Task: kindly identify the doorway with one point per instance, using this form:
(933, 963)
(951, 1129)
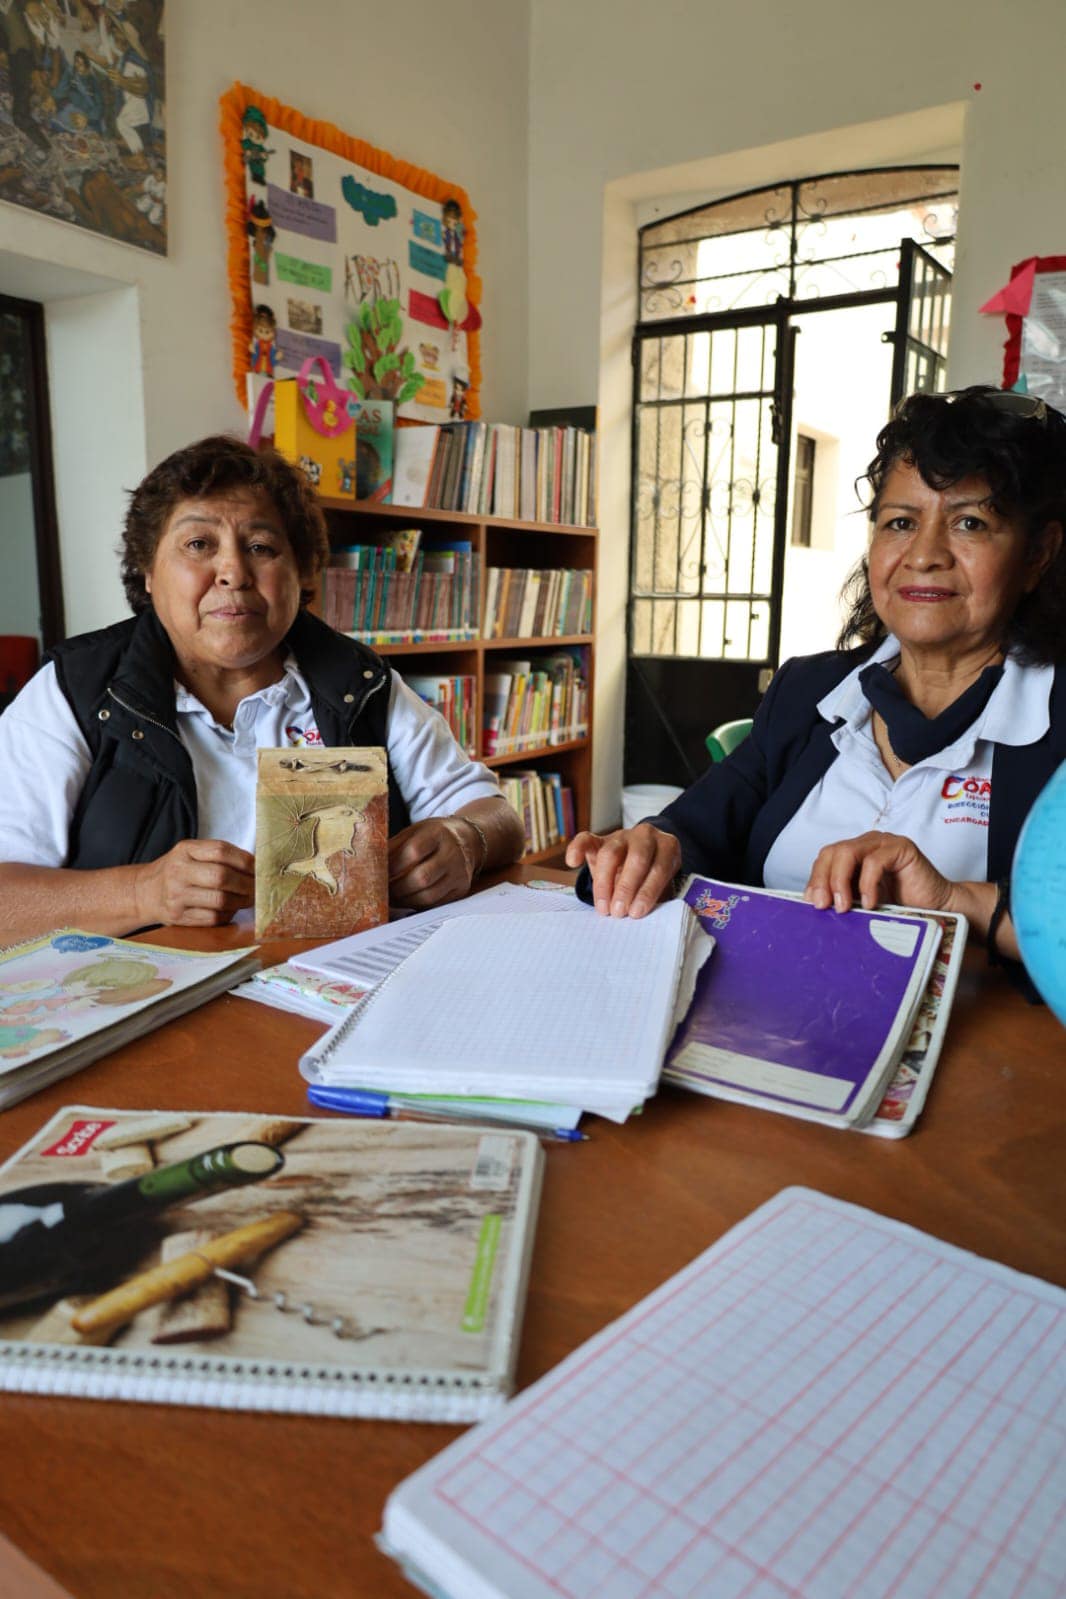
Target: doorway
(777, 329)
(31, 595)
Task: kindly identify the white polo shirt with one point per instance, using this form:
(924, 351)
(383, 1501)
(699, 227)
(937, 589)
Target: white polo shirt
(44, 761)
(941, 803)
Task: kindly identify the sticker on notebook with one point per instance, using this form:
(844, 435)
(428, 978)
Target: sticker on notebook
(899, 938)
(495, 1156)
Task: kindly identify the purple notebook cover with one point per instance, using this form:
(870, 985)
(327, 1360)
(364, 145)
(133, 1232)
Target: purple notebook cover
(804, 988)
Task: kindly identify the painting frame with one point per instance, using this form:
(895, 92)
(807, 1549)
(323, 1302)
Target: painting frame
(83, 116)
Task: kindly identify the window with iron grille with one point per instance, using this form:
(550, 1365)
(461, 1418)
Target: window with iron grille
(712, 384)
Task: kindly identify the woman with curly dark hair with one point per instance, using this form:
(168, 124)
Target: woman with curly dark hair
(900, 770)
(129, 760)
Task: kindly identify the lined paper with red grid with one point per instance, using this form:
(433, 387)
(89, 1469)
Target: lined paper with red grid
(825, 1405)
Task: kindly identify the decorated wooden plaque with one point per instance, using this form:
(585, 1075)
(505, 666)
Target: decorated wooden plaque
(321, 842)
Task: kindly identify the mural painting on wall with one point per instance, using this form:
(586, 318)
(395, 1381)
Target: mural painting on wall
(82, 114)
(339, 250)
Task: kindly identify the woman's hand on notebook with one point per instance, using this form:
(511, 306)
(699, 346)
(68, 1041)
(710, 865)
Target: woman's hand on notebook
(876, 869)
(632, 869)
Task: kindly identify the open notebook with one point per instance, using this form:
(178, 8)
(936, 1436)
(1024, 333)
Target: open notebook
(410, 1245)
(826, 1403)
(574, 1008)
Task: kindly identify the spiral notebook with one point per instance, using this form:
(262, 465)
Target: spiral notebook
(576, 1009)
(397, 1290)
(824, 1403)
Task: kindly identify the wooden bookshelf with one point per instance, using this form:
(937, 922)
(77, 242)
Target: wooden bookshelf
(498, 541)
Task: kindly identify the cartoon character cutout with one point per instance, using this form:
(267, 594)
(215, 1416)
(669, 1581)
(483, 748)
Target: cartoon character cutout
(263, 348)
(457, 400)
(253, 143)
(262, 234)
(452, 232)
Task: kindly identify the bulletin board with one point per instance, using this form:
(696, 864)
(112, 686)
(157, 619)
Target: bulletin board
(337, 249)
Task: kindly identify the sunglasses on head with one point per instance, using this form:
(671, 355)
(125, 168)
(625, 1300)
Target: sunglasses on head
(1009, 400)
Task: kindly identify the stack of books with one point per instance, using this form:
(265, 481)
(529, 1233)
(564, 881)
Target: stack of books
(453, 697)
(381, 594)
(525, 603)
(544, 474)
(533, 703)
(545, 804)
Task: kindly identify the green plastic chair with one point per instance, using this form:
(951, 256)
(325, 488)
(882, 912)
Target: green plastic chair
(724, 740)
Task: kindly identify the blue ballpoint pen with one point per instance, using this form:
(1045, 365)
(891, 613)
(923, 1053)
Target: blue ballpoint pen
(365, 1102)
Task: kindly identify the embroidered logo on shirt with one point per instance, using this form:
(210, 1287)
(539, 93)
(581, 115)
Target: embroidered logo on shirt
(966, 799)
(300, 736)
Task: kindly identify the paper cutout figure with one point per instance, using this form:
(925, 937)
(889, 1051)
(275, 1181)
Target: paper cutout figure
(253, 143)
(262, 234)
(263, 349)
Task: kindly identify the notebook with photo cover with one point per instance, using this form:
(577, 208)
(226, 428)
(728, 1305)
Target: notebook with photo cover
(69, 997)
(801, 1010)
(373, 1268)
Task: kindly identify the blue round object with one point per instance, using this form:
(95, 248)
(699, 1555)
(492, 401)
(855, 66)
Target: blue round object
(1038, 893)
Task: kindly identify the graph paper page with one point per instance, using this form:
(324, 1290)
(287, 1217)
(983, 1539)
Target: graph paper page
(542, 1007)
(825, 1405)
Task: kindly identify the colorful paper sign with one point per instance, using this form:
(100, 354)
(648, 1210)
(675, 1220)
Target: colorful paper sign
(326, 236)
(307, 273)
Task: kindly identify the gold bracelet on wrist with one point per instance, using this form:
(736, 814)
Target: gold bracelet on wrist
(480, 831)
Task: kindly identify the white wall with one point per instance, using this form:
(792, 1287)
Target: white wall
(628, 103)
(453, 97)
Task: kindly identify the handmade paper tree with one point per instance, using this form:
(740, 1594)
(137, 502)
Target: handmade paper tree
(378, 369)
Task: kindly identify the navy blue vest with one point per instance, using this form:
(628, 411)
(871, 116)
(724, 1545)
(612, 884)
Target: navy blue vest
(139, 798)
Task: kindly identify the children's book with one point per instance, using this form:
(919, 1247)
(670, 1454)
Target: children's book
(802, 1010)
(374, 423)
(70, 997)
(321, 841)
(824, 1403)
(370, 1269)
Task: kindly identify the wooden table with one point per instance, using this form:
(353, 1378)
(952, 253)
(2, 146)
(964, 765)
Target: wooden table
(131, 1501)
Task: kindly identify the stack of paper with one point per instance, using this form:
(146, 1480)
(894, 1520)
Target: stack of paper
(576, 1009)
(327, 981)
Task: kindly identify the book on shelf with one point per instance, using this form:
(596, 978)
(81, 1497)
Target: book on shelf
(495, 469)
(524, 603)
(321, 841)
(804, 1011)
(454, 698)
(69, 997)
(375, 422)
(406, 589)
(544, 802)
(461, 1015)
(414, 449)
(410, 1242)
(535, 702)
(824, 1402)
